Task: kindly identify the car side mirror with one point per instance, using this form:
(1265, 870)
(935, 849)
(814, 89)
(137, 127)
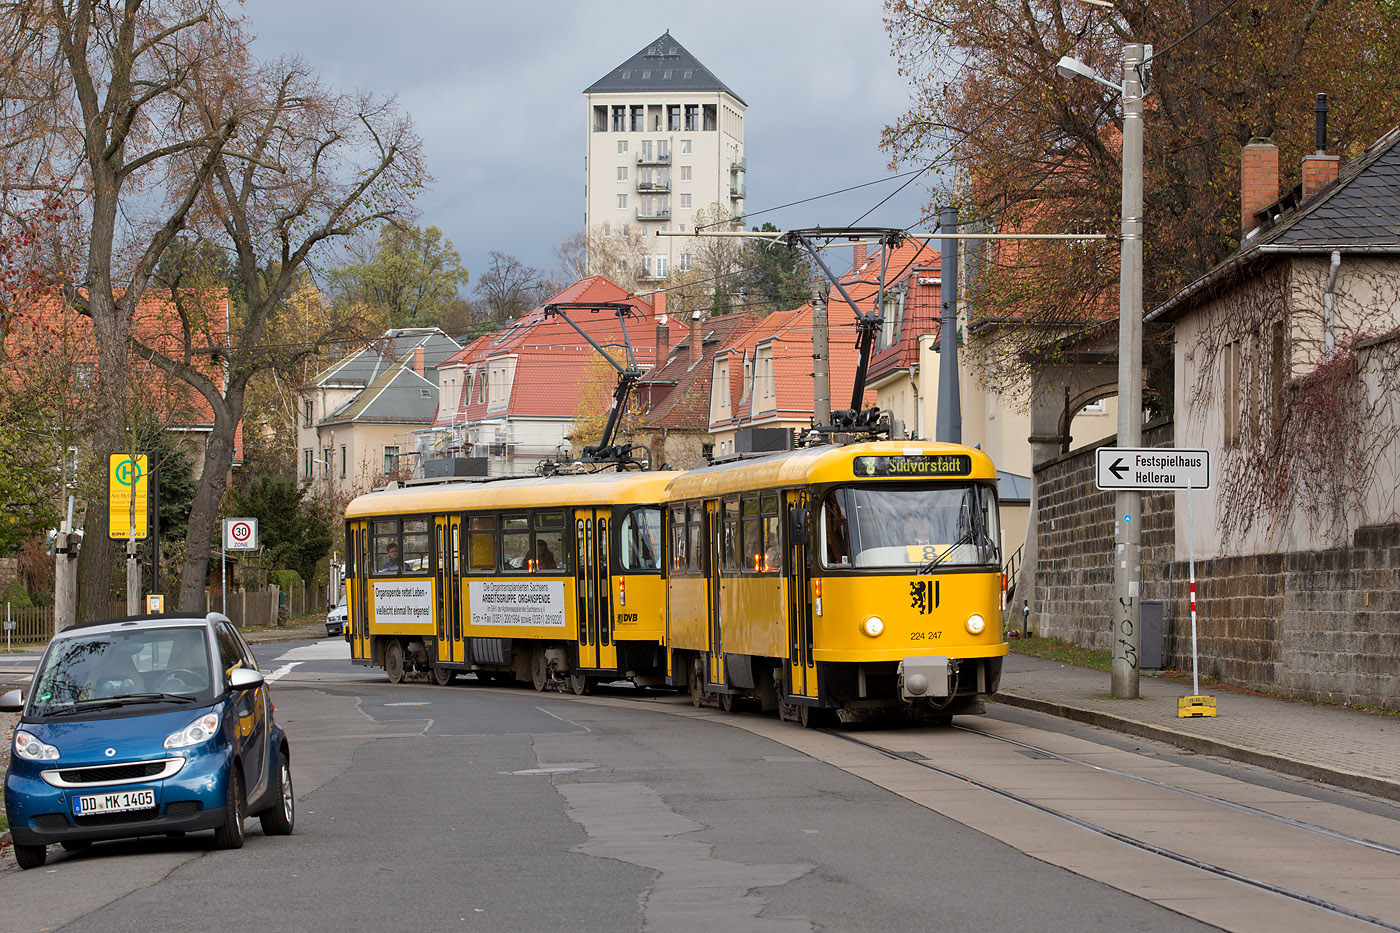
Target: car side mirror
(797, 526)
(245, 678)
(11, 701)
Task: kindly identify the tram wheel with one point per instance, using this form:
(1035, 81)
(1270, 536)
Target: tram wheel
(697, 686)
(539, 668)
(811, 717)
(393, 662)
(442, 676)
(578, 683)
(726, 702)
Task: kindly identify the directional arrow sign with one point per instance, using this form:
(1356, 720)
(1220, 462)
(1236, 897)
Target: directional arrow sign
(1151, 468)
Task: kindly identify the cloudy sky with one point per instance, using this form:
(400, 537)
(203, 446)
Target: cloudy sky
(496, 90)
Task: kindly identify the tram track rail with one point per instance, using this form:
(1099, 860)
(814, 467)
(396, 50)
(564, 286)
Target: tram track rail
(1142, 845)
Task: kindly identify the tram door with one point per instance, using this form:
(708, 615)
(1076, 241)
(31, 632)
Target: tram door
(593, 590)
(359, 548)
(802, 671)
(447, 537)
(714, 641)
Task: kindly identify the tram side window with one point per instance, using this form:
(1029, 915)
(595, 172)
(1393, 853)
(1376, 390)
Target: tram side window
(641, 540)
(751, 534)
(549, 552)
(417, 556)
(515, 541)
(387, 558)
(729, 544)
(693, 555)
(481, 544)
(772, 535)
(835, 533)
(678, 558)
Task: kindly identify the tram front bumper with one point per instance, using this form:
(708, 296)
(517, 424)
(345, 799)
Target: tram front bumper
(921, 677)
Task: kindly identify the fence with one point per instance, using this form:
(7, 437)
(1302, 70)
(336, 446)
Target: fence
(246, 609)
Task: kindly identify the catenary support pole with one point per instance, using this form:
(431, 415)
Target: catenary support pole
(949, 427)
(1127, 571)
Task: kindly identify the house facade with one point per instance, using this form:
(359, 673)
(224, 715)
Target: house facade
(358, 416)
(520, 393)
(665, 138)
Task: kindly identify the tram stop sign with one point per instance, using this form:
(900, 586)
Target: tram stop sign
(241, 534)
(128, 495)
(1151, 468)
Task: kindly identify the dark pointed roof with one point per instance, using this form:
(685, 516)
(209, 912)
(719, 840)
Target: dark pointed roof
(1357, 213)
(664, 65)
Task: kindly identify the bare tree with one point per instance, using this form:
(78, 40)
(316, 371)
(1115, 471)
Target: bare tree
(599, 250)
(509, 288)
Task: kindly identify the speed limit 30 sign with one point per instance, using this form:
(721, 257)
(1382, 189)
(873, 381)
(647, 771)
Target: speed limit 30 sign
(241, 534)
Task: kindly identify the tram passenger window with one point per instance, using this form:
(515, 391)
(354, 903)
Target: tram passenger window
(641, 540)
(835, 538)
(515, 541)
(678, 560)
(386, 547)
(549, 552)
(772, 544)
(693, 554)
(481, 544)
(752, 535)
(416, 553)
(729, 544)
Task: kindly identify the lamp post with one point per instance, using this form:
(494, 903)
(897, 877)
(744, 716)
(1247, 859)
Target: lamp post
(1127, 503)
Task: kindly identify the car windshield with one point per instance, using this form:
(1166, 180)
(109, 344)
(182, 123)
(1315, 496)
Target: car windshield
(99, 671)
(918, 529)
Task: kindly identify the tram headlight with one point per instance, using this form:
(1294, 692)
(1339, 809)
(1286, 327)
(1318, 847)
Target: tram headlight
(975, 624)
(873, 626)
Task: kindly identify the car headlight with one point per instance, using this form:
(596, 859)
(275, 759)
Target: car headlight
(196, 732)
(29, 746)
(873, 626)
(976, 623)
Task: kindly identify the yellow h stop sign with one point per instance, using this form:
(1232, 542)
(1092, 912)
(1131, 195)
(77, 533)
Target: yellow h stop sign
(127, 486)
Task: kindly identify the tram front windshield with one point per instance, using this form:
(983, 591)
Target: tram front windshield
(910, 529)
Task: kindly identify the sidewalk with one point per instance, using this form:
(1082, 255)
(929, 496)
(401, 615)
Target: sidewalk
(1332, 744)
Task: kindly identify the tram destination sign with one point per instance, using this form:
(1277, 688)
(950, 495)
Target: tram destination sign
(914, 464)
(1151, 468)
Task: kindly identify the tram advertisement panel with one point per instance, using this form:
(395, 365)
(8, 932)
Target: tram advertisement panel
(535, 603)
(403, 601)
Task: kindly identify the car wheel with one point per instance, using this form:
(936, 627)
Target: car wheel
(278, 819)
(31, 856)
(393, 662)
(442, 676)
(230, 835)
(76, 845)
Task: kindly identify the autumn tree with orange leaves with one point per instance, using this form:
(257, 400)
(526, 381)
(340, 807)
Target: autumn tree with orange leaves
(1032, 152)
(154, 124)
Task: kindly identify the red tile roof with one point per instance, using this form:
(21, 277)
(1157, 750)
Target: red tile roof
(681, 393)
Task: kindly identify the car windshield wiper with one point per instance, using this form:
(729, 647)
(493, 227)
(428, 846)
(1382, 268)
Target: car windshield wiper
(152, 698)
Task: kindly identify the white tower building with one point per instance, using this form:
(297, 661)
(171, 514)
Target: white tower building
(665, 139)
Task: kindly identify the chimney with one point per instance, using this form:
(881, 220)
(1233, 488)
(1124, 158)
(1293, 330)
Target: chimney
(695, 348)
(1258, 180)
(859, 254)
(663, 341)
(1319, 169)
(418, 360)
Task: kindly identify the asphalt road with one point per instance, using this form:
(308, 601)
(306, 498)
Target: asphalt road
(473, 807)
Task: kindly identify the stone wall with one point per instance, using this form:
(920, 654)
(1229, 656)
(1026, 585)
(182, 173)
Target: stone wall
(1322, 625)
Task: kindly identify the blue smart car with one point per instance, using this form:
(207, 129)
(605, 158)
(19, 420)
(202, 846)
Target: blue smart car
(144, 726)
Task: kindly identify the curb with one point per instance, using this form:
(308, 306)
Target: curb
(1378, 787)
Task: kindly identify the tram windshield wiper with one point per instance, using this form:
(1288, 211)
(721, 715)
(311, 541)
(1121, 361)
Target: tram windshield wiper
(971, 536)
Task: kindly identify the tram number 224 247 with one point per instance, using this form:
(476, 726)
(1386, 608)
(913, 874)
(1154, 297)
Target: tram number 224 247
(925, 636)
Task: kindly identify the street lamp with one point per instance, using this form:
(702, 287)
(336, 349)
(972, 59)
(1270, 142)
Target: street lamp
(1127, 503)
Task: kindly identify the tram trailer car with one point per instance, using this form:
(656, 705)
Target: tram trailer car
(851, 580)
(553, 580)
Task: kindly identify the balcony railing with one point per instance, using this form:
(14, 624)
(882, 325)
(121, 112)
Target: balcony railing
(659, 159)
(664, 185)
(654, 213)
(738, 190)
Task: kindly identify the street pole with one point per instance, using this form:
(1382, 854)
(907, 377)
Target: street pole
(949, 426)
(1127, 571)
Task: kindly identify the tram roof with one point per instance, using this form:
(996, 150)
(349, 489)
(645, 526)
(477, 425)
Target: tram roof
(592, 490)
(811, 465)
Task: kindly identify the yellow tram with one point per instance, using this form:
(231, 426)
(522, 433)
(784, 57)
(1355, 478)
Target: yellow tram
(554, 580)
(847, 579)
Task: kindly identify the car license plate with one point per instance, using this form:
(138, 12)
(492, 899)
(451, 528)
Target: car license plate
(117, 802)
